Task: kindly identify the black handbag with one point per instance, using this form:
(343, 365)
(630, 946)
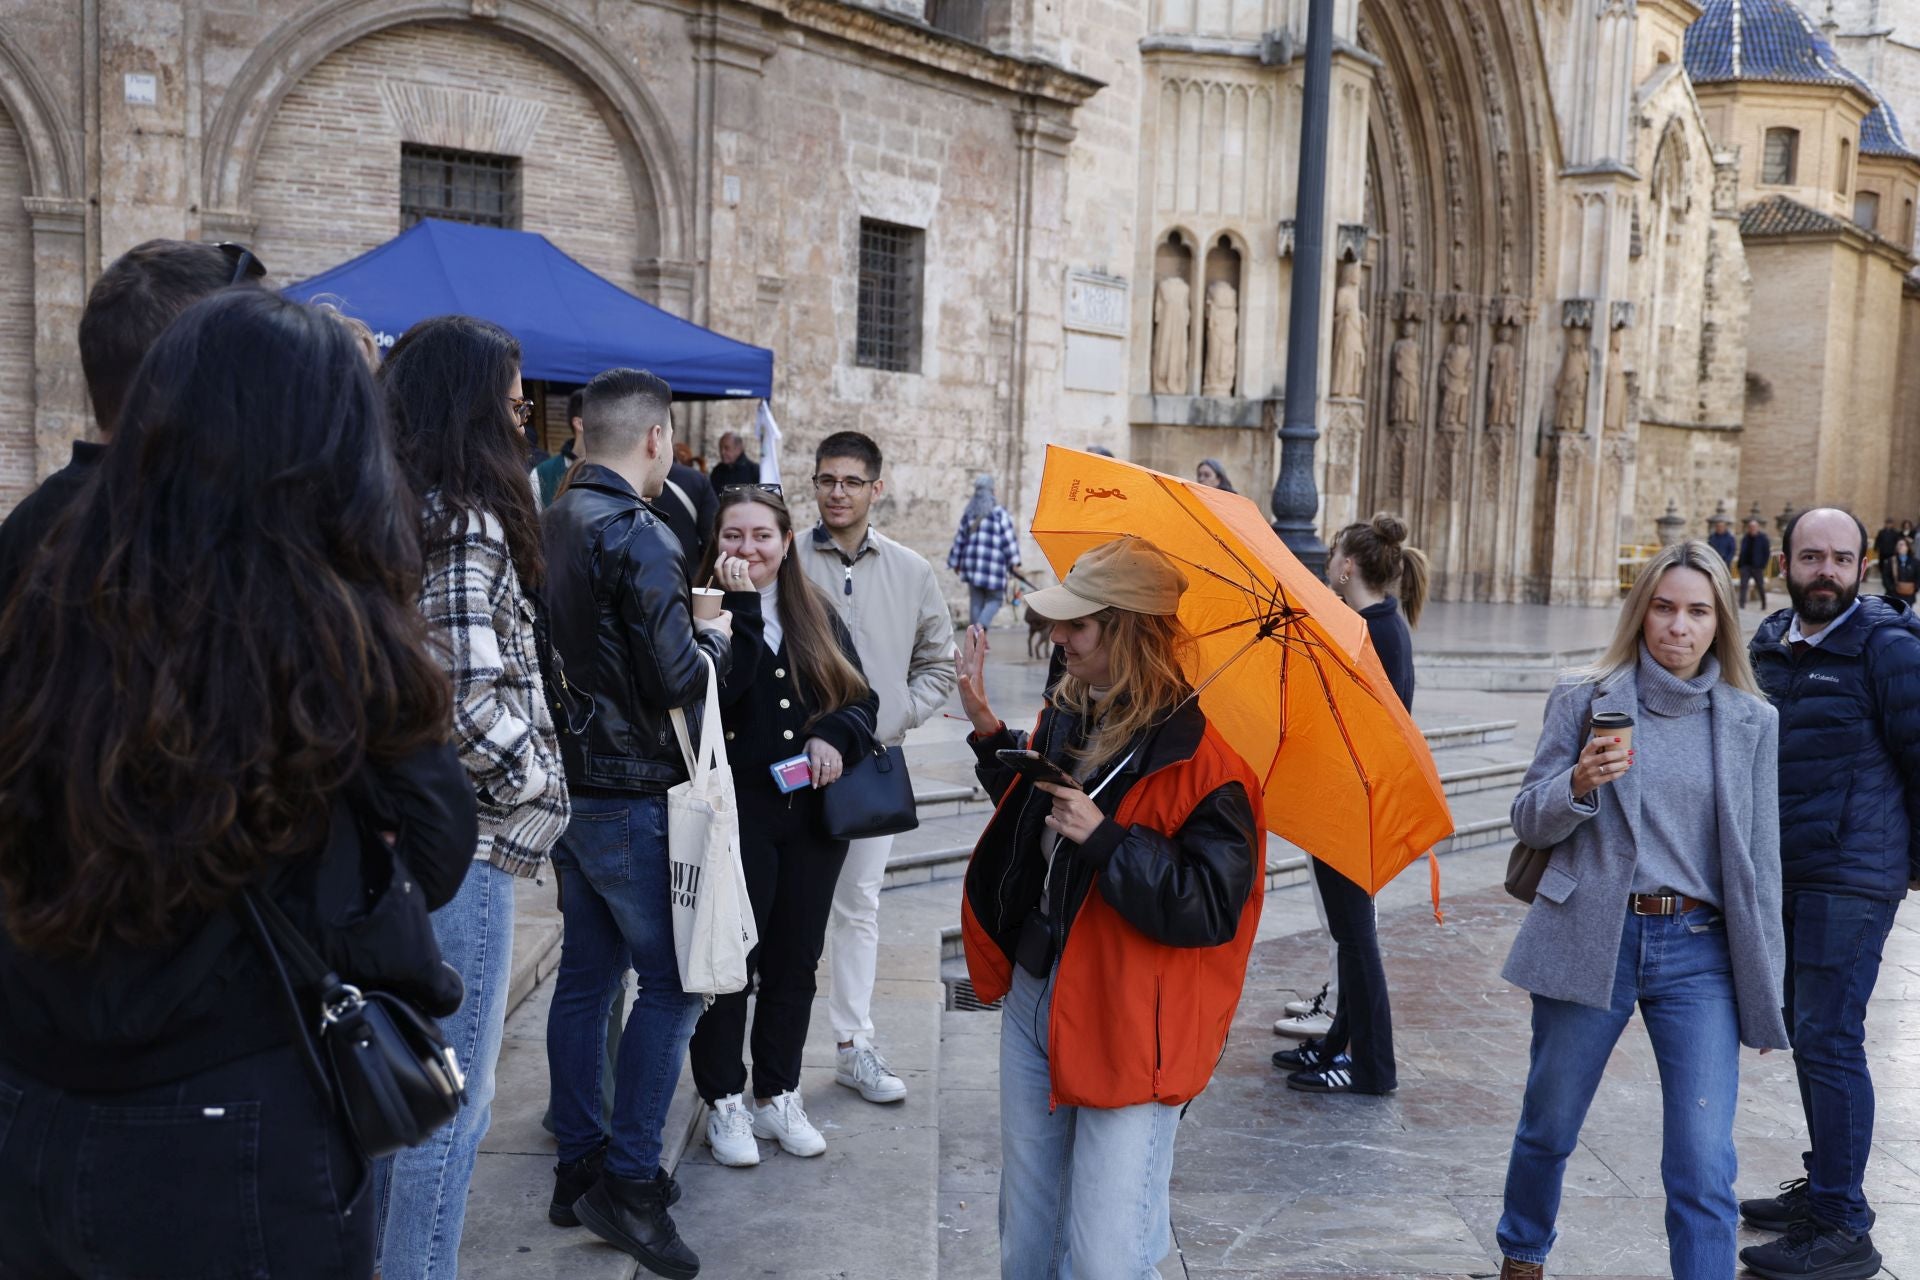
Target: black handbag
(375, 1059)
(874, 797)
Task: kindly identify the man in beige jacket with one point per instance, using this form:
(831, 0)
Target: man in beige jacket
(889, 599)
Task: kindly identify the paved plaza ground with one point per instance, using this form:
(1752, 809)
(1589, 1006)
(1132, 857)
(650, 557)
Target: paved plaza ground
(1267, 1182)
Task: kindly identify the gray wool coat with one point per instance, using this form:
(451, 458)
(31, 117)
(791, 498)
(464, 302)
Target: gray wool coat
(1569, 945)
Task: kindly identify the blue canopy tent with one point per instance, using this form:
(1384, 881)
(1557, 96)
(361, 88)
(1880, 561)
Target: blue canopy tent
(571, 323)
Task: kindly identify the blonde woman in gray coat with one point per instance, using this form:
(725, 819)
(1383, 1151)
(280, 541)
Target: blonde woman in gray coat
(1663, 891)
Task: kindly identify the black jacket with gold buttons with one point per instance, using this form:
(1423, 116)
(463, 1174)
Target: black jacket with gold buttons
(767, 715)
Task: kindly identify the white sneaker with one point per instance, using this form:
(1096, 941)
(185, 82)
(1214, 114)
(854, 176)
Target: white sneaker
(1299, 1008)
(730, 1133)
(1308, 1026)
(785, 1121)
(861, 1067)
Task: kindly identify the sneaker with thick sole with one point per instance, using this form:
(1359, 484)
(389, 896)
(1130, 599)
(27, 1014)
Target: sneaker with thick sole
(1312, 1004)
(862, 1069)
(1777, 1213)
(1811, 1250)
(1307, 1026)
(784, 1120)
(571, 1179)
(631, 1215)
(730, 1133)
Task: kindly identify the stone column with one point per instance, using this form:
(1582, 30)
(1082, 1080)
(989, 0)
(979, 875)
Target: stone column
(1044, 137)
(60, 413)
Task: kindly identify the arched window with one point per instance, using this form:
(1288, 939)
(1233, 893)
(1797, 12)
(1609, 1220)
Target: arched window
(1779, 161)
(1866, 210)
(1846, 167)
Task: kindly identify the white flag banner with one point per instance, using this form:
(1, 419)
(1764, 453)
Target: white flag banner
(769, 445)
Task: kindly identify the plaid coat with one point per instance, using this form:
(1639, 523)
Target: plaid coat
(984, 550)
(483, 628)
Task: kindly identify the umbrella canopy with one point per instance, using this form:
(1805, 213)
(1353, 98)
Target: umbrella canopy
(1296, 687)
(571, 323)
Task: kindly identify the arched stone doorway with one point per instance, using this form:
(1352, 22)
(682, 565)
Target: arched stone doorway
(18, 450)
(1451, 276)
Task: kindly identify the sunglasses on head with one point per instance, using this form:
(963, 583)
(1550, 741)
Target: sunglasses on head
(245, 265)
(761, 487)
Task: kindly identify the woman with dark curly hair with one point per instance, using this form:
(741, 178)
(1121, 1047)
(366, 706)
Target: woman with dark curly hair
(453, 390)
(212, 677)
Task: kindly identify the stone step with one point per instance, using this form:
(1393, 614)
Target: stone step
(1487, 777)
(1499, 672)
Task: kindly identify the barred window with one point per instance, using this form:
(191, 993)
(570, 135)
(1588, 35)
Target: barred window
(888, 328)
(964, 18)
(459, 186)
(1777, 165)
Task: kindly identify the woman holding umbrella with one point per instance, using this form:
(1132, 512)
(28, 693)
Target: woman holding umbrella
(1663, 890)
(1112, 900)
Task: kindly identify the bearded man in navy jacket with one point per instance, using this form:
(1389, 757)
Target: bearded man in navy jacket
(1844, 671)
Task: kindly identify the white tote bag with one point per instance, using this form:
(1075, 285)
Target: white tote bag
(712, 917)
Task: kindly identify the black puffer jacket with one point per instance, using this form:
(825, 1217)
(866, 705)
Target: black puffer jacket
(1849, 750)
(623, 625)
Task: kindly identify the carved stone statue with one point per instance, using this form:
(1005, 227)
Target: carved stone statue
(1570, 389)
(1403, 404)
(1223, 340)
(1172, 335)
(1349, 336)
(1503, 382)
(1617, 391)
(1456, 381)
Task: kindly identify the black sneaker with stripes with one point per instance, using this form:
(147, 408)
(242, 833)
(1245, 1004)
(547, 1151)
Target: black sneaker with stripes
(1305, 1056)
(1334, 1077)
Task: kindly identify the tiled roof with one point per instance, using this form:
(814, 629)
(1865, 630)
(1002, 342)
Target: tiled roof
(1781, 216)
(1881, 135)
(1760, 40)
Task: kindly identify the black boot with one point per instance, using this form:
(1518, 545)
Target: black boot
(571, 1179)
(631, 1215)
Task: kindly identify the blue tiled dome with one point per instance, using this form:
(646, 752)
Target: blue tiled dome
(1760, 40)
(1880, 135)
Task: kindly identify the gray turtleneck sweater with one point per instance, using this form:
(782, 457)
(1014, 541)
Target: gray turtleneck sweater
(1673, 754)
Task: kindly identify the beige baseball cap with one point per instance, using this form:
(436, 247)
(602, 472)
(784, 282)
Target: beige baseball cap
(1128, 573)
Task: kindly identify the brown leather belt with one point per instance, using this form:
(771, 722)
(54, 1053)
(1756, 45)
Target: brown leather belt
(1661, 904)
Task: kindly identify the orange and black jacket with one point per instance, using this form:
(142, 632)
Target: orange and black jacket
(1154, 915)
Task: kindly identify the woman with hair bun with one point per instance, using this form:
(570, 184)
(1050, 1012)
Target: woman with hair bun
(1371, 568)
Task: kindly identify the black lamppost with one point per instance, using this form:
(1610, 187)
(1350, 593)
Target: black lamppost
(1296, 500)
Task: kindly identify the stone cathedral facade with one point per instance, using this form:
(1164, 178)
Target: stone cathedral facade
(1540, 273)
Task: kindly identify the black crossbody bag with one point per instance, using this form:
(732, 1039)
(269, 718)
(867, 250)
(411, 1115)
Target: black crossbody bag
(372, 1056)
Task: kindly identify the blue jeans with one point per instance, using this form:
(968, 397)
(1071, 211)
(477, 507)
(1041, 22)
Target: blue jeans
(982, 604)
(422, 1191)
(1083, 1190)
(616, 914)
(1833, 959)
(1678, 970)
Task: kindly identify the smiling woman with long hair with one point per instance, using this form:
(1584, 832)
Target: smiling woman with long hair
(795, 689)
(453, 389)
(215, 658)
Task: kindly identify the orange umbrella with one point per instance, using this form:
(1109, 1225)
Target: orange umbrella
(1287, 672)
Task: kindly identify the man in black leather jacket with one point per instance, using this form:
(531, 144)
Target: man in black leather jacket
(623, 626)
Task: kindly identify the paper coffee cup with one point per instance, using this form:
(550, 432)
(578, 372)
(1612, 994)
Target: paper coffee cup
(1614, 724)
(706, 602)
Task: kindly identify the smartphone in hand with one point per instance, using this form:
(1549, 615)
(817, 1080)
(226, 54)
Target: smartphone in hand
(1035, 767)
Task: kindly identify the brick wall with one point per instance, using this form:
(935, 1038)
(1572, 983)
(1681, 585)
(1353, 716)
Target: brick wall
(16, 321)
(328, 183)
(1787, 372)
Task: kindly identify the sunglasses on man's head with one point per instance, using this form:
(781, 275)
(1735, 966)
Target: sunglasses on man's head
(245, 265)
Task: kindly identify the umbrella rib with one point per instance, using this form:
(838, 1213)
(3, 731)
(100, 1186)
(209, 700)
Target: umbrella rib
(1253, 574)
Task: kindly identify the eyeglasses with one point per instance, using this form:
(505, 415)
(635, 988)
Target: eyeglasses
(522, 409)
(846, 484)
(762, 487)
(245, 265)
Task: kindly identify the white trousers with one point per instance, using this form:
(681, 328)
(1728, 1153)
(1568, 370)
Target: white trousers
(853, 937)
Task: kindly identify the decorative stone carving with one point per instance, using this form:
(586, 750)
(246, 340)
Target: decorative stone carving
(1399, 445)
(1223, 340)
(1172, 336)
(1577, 313)
(1618, 393)
(1570, 388)
(1284, 241)
(1726, 182)
(1446, 447)
(1456, 380)
(1403, 401)
(1503, 383)
(1352, 243)
(1349, 336)
(1621, 315)
(1494, 453)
